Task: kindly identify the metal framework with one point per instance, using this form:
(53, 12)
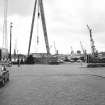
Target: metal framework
(92, 41)
(41, 9)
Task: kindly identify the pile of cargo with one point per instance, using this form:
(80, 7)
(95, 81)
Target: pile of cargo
(95, 61)
(54, 60)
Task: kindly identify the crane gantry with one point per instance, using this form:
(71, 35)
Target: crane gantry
(39, 3)
(93, 49)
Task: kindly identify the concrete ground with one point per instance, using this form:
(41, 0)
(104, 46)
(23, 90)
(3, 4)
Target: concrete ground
(65, 84)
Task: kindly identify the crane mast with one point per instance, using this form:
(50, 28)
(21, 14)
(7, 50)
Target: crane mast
(92, 42)
(41, 9)
(32, 26)
(44, 26)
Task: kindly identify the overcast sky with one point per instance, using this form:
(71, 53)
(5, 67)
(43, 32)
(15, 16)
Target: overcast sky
(66, 22)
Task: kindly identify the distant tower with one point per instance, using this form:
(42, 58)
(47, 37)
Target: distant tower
(5, 24)
(15, 48)
(72, 52)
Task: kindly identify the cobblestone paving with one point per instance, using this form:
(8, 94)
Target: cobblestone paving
(66, 84)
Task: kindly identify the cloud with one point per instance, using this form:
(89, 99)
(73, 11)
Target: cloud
(66, 22)
(22, 7)
(20, 32)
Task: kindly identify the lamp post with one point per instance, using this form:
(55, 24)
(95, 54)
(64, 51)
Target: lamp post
(11, 25)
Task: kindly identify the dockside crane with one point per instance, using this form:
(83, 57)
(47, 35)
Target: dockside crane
(44, 26)
(56, 51)
(93, 49)
(94, 60)
(84, 51)
(39, 3)
(72, 51)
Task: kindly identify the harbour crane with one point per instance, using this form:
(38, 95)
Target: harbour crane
(94, 60)
(39, 3)
(56, 51)
(72, 51)
(93, 49)
(84, 51)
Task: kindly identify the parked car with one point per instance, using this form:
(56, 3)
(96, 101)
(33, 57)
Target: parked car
(4, 75)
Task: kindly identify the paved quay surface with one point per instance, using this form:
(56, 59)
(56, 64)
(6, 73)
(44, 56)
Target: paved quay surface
(65, 84)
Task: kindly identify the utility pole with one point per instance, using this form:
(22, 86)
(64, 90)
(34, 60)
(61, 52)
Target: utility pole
(11, 25)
